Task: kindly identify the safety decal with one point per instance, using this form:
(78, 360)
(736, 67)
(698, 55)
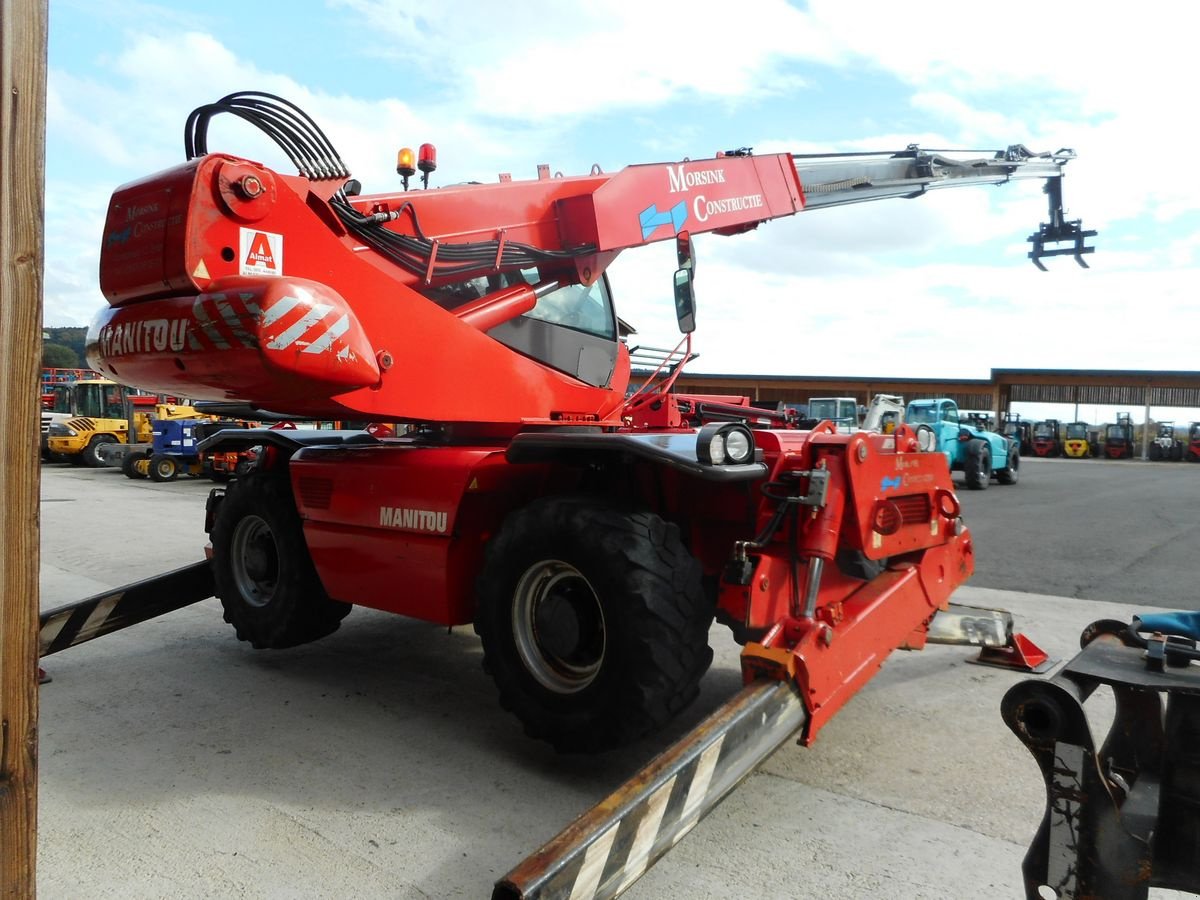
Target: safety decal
(607, 849)
(314, 325)
(887, 483)
(222, 320)
(651, 219)
(261, 252)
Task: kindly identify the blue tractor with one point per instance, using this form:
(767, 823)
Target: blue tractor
(979, 454)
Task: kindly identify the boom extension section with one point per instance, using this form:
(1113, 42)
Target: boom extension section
(229, 281)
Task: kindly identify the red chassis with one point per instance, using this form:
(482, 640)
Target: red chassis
(844, 546)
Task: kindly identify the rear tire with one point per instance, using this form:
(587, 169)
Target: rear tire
(594, 622)
(978, 464)
(265, 578)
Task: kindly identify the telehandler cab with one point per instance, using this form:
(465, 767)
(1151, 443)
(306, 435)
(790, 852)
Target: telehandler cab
(589, 533)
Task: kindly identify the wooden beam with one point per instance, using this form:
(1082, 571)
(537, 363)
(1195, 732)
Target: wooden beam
(23, 29)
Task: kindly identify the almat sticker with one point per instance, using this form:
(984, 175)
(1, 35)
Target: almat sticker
(261, 252)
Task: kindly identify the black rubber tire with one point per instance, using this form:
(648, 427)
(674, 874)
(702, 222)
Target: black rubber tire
(269, 589)
(1176, 453)
(622, 579)
(90, 455)
(163, 468)
(1010, 473)
(129, 465)
(855, 564)
(977, 464)
(1155, 452)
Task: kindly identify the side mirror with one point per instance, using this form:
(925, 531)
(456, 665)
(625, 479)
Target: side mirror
(685, 301)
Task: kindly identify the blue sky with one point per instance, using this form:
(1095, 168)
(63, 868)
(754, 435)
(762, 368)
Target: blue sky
(938, 286)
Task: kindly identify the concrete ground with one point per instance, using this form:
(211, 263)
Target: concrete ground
(177, 762)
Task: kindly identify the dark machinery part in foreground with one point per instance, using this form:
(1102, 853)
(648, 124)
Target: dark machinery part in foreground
(1123, 817)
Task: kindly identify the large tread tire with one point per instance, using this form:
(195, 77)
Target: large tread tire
(855, 564)
(130, 468)
(163, 468)
(1010, 473)
(90, 455)
(978, 464)
(268, 587)
(633, 645)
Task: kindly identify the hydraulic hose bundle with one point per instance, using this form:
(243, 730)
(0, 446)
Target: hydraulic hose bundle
(315, 158)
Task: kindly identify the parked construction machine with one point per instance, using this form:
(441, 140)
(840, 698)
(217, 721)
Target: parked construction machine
(1077, 443)
(1165, 446)
(979, 454)
(1019, 430)
(590, 534)
(844, 412)
(1193, 447)
(86, 415)
(1118, 438)
(1047, 438)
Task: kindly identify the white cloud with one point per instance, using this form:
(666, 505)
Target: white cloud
(544, 59)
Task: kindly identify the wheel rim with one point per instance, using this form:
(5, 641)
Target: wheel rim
(558, 627)
(254, 561)
(165, 468)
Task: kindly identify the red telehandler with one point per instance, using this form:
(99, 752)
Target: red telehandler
(589, 530)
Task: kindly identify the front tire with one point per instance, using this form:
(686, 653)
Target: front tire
(1010, 473)
(594, 622)
(978, 464)
(90, 456)
(265, 578)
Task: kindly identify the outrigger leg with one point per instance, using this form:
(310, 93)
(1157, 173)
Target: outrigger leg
(121, 607)
(609, 847)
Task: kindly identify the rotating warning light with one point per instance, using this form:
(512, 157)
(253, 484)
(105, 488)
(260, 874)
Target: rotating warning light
(427, 158)
(405, 165)
(426, 162)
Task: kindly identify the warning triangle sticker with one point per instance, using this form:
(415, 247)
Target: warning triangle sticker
(201, 271)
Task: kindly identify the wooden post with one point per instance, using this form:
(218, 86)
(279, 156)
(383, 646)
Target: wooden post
(23, 27)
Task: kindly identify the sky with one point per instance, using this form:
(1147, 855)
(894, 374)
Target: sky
(939, 286)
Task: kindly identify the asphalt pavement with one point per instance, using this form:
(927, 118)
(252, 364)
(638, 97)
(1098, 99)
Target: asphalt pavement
(1125, 531)
(177, 762)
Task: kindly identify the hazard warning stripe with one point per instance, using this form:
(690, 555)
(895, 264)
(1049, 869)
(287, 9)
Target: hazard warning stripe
(315, 314)
(121, 607)
(235, 320)
(336, 330)
(608, 848)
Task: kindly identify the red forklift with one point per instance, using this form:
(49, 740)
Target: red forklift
(1192, 454)
(1047, 438)
(1118, 438)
